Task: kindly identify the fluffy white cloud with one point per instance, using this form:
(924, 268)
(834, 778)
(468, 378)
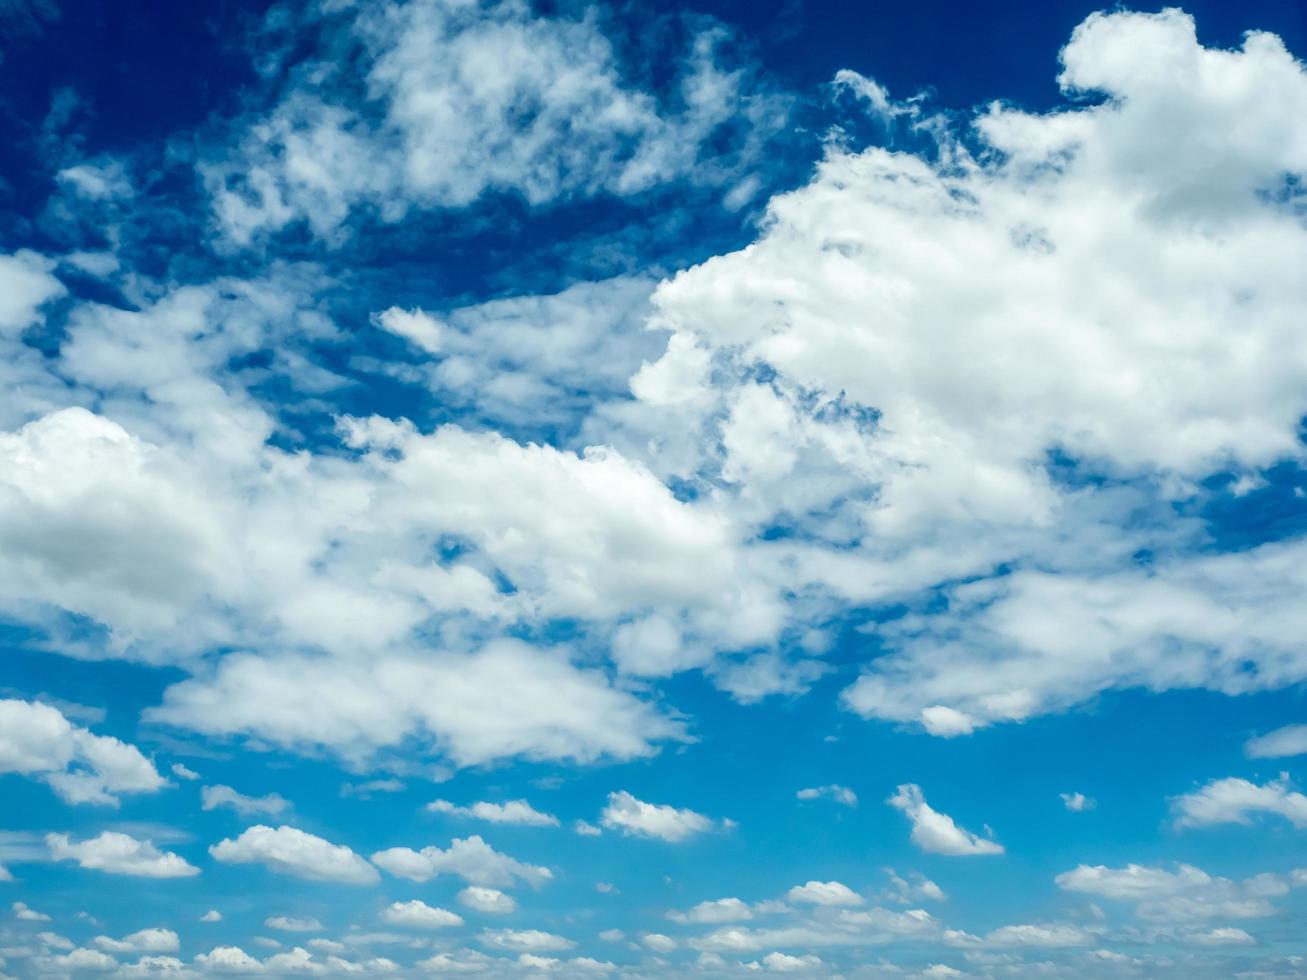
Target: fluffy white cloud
(472, 859)
(805, 372)
(513, 812)
(935, 832)
(559, 711)
(836, 792)
(25, 913)
(778, 962)
(121, 854)
(631, 816)
(228, 959)
(213, 797)
(1235, 800)
(490, 99)
(1077, 802)
(26, 284)
(288, 850)
(525, 940)
(1054, 936)
(143, 941)
(488, 900)
(1286, 741)
(82, 767)
(419, 915)
(658, 942)
(824, 893)
(213, 915)
(1183, 894)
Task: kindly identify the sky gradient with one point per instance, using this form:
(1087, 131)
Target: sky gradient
(517, 489)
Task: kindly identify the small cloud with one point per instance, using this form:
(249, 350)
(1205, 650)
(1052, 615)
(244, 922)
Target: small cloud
(834, 792)
(1078, 802)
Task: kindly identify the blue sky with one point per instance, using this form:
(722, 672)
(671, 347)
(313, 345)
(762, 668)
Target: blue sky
(519, 489)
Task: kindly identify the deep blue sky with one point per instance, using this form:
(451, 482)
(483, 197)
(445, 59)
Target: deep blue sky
(342, 442)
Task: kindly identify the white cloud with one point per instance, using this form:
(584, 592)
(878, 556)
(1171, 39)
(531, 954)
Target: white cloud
(1235, 800)
(1183, 894)
(631, 816)
(183, 772)
(416, 326)
(80, 766)
(143, 941)
(288, 850)
(714, 911)
(824, 893)
(1222, 936)
(658, 942)
(356, 707)
(213, 797)
(228, 959)
(25, 913)
(915, 888)
(927, 470)
(525, 940)
(513, 812)
(1077, 802)
(1053, 936)
(935, 832)
(472, 859)
(584, 828)
(121, 854)
(213, 915)
(289, 923)
(835, 792)
(26, 284)
(488, 900)
(531, 105)
(419, 915)
(785, 963)
(84, 959)
(1286, 741)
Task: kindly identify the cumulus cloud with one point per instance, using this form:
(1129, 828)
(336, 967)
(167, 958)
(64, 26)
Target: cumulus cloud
(635, 817)
(525, 940)
(806, 371)
(143, 941)
(1182, 894)
(935, 832)
(80, 766)
(1077, 802)
(513, 812)
(471, 859)
(25, 913)
(287, 850)
(491, 901)
(1235, 800)
(120, 854)
(419, 915)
